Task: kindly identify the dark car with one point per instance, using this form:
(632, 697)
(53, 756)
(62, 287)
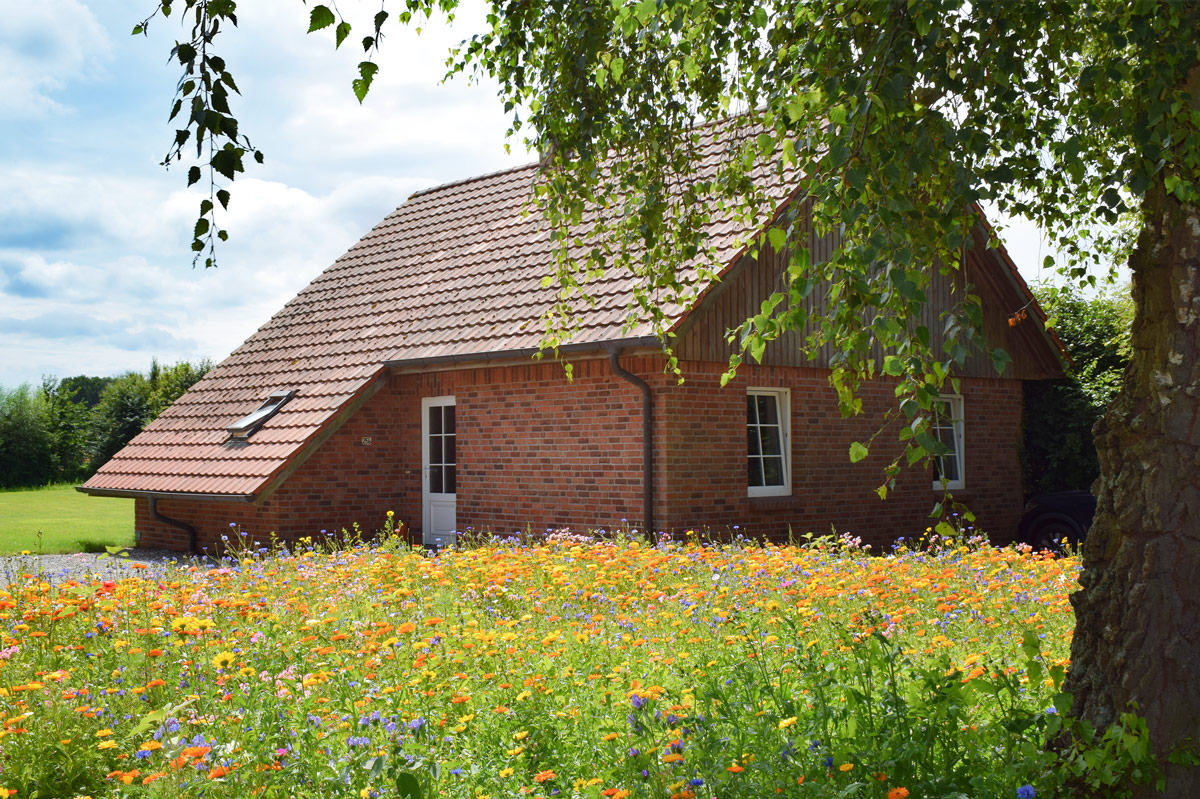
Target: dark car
(1050, 518)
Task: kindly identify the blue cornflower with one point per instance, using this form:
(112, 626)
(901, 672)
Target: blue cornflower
(1026, 792)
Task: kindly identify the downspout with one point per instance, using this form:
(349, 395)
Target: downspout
(647, 438)
(187, 528)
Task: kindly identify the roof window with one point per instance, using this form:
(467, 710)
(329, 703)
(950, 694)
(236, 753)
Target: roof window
(245, 427)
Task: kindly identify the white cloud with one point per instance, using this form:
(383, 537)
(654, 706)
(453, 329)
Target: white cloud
(43, 45)
(116, 312)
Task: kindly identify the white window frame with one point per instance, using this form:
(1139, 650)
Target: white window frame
(955, 404)
(783, 405)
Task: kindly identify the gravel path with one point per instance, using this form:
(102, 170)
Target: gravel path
(56, 568)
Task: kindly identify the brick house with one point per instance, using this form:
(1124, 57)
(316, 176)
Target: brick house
(402, 379)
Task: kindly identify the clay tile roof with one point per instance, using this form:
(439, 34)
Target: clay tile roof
(454, 271)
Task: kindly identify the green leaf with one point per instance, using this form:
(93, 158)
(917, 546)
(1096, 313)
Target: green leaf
(857, 452)
(778, 238)
(1030, 644)
(616, 67)
(321, 17)
(407, 786)
(223, 198)
(362, 85)
(193, 175)
(343, 30)
(892, 365)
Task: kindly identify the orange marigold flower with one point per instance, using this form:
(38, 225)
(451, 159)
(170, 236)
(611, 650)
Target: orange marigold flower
(735, 769)
(543, 776)
(898, 793)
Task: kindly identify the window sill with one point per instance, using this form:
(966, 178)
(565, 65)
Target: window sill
(780, 502)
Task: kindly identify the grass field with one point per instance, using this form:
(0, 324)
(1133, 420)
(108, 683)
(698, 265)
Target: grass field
(68, 520)
(579, 668)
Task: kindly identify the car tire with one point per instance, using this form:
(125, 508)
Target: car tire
(1050, 534)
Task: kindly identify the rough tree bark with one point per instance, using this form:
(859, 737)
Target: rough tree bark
(1137, 635)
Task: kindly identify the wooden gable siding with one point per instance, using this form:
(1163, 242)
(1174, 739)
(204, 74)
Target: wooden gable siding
(704, 335)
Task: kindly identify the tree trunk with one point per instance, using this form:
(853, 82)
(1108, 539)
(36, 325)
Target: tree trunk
(1137, 635)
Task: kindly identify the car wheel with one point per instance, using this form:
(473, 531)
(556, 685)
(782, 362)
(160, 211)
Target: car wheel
(1050, 535)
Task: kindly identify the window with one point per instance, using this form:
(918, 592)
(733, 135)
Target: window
(243, 428)
(947, 428)
(768, 461)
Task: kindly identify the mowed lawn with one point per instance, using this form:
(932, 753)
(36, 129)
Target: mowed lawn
(67, 520)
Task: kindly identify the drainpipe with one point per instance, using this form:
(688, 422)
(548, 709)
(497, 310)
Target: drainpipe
(187, 528)
(647, 439)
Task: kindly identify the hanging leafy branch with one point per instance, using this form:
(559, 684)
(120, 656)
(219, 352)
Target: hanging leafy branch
(894, 120)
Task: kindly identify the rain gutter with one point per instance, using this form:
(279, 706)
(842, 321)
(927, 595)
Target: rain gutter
(176, 523)
(614, 353)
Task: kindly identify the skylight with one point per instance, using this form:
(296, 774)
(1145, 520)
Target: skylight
(245, 427)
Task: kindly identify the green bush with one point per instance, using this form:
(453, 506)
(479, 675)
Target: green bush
(1059, 453)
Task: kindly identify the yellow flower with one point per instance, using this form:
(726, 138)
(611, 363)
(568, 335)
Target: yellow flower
(103, 733)
(783, 725)
(506, 772)
(107, 745)
(520, 736)
(845, 767)
(223, 660)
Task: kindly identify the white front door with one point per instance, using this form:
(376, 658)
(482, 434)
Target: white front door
(438, 470)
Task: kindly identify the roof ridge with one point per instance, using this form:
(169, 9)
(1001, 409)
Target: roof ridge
(472, 179)
(695, 128)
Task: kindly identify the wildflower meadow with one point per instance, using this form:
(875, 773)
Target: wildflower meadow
(573, 667)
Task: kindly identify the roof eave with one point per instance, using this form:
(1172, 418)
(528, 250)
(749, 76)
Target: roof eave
(138, 494)
(1017, 281)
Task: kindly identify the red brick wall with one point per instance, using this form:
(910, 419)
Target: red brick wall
(542, 452)
(704, 461)
(535, 450)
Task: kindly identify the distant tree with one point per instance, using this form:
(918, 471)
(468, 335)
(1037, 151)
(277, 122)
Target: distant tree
(87, 389)
(25, 441)
(129, 402)
(68, 423)
(123, 410)
(1060, 453)
(167, 384)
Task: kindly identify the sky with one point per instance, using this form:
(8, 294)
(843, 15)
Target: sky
(96, 274)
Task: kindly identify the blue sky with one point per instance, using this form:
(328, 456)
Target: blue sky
(95, 272)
